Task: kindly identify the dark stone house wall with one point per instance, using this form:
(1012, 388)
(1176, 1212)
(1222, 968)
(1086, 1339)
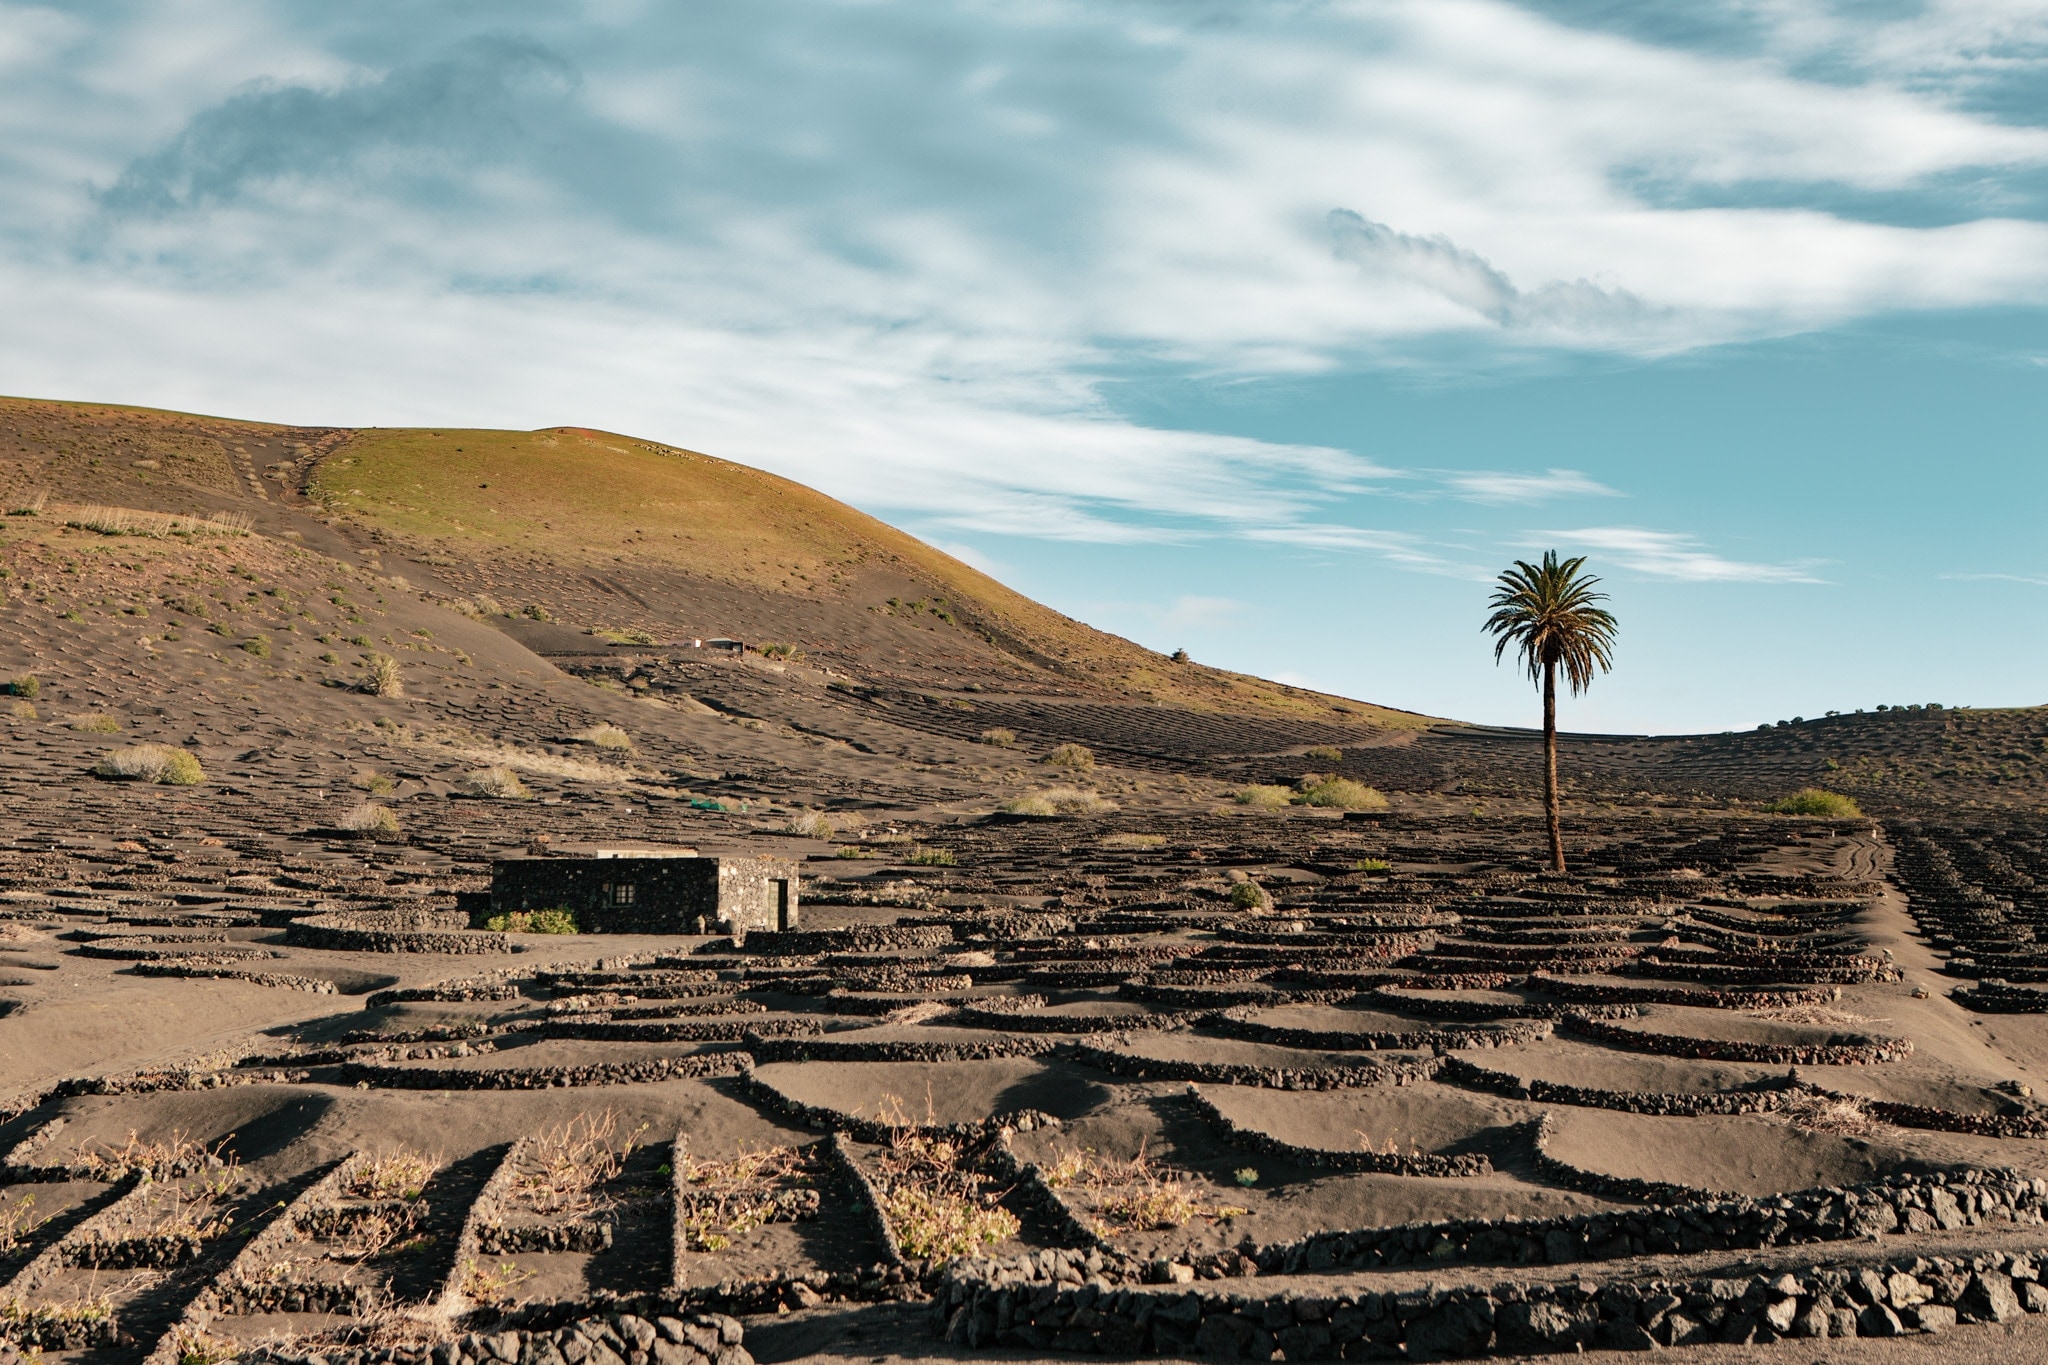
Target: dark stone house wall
(652, 895)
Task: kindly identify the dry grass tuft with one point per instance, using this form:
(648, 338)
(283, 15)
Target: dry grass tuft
(607, 737)
(151, 763)
(1816, 1016)
(1264, 797)
(1076, 756)
(369, 818)
(1829, 1114)
(497, 782)
(1000, 737)
(128, 521)
(94, 723)
(812, 824)
(459, 743)
(1133, 840)
(1339, 793)
(1058, 801)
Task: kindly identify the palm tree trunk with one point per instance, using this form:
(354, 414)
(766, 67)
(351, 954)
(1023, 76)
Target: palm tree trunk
(1550, 766)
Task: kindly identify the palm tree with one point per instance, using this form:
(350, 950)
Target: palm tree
(1546, 611)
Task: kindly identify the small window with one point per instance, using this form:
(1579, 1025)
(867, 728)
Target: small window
(622, 894)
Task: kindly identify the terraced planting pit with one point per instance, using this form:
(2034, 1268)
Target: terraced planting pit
(1115, 1063)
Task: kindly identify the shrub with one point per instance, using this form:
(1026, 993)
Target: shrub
(400, 1174)
(534, 922)
(24, 710)
(258, 645)
(1133, 841)
(1250, 896)
(381, 677)
(1156, 1207)
(1372, 865)
(534, 611)
(921, 856)
(151, 763)
(1815, 801)
(856, 851)
(369, 818)
(375, 783)
(27, 686)
(608, 737)
(812, 824)
(782, 651)
(1246, 1176)
(999, 737)
(932, 1224)
(1324, 753)
(1057, 801)
(1341, 793)
(96, 723)
(1076, 756)
(328, 656)
(499, 782)
(1264, 798)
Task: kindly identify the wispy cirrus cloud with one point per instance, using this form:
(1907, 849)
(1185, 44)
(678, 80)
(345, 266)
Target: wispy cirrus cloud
(1675, 555)
(2030, 579)
(903, 251)
(1492, 486)
(1403, 549)
(1468, 280)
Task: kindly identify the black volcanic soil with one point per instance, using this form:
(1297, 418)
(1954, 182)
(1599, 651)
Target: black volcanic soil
(1419, 988)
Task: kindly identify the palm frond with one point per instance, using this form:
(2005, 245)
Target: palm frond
(1546, 612)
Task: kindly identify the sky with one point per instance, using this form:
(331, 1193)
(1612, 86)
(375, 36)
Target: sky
(1269, 330)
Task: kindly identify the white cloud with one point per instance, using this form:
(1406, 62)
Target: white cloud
(1202, 613)
(1670, 554)
(2032, 580)
(1492, 487)
(969, 555)
(891, 249)
(1441, 266)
